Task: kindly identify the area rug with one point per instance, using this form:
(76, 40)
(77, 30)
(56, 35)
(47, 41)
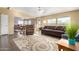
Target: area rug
(36, 43)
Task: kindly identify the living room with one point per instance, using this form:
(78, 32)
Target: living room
(35, 28)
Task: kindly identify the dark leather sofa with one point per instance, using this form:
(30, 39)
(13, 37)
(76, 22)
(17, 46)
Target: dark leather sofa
(29, 29)
(53, 30)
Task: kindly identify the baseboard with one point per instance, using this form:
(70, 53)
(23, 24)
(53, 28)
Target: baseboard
(6, 34)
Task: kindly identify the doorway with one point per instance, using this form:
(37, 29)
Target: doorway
(4, 24)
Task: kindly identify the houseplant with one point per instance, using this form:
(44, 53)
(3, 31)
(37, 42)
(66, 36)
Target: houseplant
(71, 30)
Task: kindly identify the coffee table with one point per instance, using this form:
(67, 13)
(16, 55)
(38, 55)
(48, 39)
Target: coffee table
(64, 45)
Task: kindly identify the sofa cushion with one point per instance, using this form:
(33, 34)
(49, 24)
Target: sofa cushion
(50, 27)
(58, 31)
(54, 30)
(60, 28)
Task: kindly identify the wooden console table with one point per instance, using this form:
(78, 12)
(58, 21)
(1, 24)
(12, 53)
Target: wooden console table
(63, 45)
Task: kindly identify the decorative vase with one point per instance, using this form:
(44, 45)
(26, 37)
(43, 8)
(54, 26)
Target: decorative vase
(72, 41)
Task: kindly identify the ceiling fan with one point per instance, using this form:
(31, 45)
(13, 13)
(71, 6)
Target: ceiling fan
(41, 10)
(8, 7)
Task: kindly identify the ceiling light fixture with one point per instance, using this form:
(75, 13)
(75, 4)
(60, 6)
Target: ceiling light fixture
(9, 8)
(40, 10)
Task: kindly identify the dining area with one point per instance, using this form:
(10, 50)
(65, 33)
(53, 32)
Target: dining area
(25, 30)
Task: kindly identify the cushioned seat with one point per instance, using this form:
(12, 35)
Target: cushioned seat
(53, 30)
(65, 36)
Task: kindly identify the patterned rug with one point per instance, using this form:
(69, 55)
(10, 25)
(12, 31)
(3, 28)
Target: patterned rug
(36, 43)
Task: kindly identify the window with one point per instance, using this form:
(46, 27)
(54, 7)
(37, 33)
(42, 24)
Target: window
(20, 22)
(51, 21)
(27, 22)
(38, 23)
(59, 21)
(63, 20)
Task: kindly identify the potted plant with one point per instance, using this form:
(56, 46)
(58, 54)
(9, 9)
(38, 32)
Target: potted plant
(71, 30)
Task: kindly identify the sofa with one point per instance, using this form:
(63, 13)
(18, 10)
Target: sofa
(29, 29)
(53, 30)
(65, 36)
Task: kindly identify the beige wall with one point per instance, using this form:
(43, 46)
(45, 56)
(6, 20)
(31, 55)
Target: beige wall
(11, 14)
(73, 14)
(0, 26)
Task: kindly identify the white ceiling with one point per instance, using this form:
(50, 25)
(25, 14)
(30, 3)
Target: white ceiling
(33, 11)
